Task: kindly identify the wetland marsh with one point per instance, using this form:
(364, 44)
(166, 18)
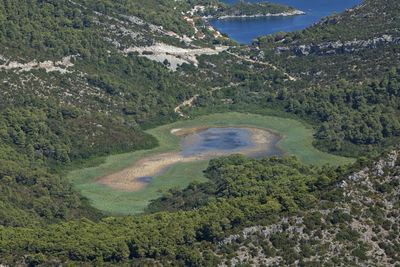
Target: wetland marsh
(295, 139)
(197, 144)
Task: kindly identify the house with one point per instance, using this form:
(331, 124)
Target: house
(201, 36)
(188, 19)
(171, 33)
(217, 34)
(199, 7)
(211, 28)
(195, 9)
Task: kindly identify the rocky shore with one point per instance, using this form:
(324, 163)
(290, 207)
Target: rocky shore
(283, 14)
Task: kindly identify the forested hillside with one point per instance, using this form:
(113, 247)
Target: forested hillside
(82, 79)
(346, 71)
(68, 94)
(221, 10)
(268, 211)
(238, 199)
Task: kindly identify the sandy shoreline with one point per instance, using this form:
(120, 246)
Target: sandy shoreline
(127, 179)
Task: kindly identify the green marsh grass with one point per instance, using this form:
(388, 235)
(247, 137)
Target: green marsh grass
(297, 140)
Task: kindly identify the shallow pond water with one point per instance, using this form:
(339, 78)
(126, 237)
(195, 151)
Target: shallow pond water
(197, 144)
(226, 140)
(214, 139)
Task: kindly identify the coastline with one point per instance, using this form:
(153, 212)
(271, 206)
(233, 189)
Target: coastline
(283, 14)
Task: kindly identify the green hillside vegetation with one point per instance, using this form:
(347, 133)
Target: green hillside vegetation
(52, 29)
(241, 193)
(49, 120)
(368, 20)
(297, 141)
(175, 236)
(90, 99)
(38, 138)
(243, 8)
(350, 93)
(161, 13)
(353, 119)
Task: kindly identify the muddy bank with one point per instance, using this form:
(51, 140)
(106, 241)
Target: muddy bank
(198, 143)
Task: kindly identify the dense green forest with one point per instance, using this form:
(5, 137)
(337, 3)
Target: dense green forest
(49, 119)
(349, 91)
(353, 119)
(52, 29)
(251, 9)
(370, 19)
(235, 197)
(73, 92)
(241, 193)
(161, 13)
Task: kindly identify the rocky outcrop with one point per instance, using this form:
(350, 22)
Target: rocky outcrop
(370, 203)
(48, 65)
(340, 47)
(175, 56)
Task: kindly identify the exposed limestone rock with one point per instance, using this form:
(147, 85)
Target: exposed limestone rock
(365, 204)
(339, 47)
(176, 56)
(50, 66)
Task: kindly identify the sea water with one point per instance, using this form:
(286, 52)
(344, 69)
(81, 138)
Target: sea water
(244, 30)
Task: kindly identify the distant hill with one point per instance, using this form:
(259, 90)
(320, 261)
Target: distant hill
(244, 9)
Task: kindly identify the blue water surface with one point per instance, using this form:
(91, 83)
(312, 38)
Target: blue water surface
(217, 139)
(244, 30)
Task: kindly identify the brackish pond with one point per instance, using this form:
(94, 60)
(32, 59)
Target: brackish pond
(228, 140)
(120, 196)
(198, 143)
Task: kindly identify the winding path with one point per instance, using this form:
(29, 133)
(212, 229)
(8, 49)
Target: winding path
(262, 63)
(193, 98)
(189, 102)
